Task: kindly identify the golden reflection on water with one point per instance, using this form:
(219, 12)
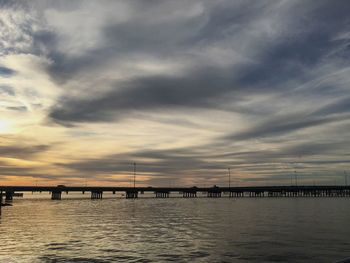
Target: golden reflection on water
(77, 229)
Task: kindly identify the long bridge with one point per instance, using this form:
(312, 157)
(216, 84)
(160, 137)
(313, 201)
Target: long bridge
(187, 192)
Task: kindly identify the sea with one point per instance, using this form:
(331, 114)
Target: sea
(148, 229)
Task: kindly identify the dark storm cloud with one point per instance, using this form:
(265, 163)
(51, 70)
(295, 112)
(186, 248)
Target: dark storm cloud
(17, 108)
(159, 162)
(285, 59)
(308, 42)
(282, 125)
(293, 151)
(6, 72)
(340, 106)
(144, 94)
(144, 35)
(315, 148)
(10, 170)
(15, 151)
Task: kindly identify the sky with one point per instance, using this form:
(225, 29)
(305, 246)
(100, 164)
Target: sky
(185, 89)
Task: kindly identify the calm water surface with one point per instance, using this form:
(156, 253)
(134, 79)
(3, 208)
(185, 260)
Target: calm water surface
(176, 230)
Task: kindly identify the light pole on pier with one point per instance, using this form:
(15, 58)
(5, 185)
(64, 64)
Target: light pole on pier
(229, 178)
(346, 178)
(134, 175)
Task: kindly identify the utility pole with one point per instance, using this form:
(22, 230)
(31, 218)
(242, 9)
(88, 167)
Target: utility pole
(229, 178)
(295, 172)
(134, 175)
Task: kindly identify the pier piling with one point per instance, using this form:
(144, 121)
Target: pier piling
(190, 194)
(214, 194)
(132, 194)
(9, 195)
(96, 195)
(162, 194)
(56, 195)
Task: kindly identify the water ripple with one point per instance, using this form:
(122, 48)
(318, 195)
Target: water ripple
(175, 230)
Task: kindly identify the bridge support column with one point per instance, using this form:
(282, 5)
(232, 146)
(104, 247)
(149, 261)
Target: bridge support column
(56, 195)
(258, 194)
(236, 194)
(162, 194)
(96, 195)
(131, 194)
(214, 194)
(9, 195)
(189, 194)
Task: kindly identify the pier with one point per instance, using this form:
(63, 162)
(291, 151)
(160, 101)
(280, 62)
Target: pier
(187, 192)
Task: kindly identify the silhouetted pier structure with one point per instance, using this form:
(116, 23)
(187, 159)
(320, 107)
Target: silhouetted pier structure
(162, 194)
(56, 195)
(187, 192)
(96, 194)
(131, 193)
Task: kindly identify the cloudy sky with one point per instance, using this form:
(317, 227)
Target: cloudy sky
(186, 89)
